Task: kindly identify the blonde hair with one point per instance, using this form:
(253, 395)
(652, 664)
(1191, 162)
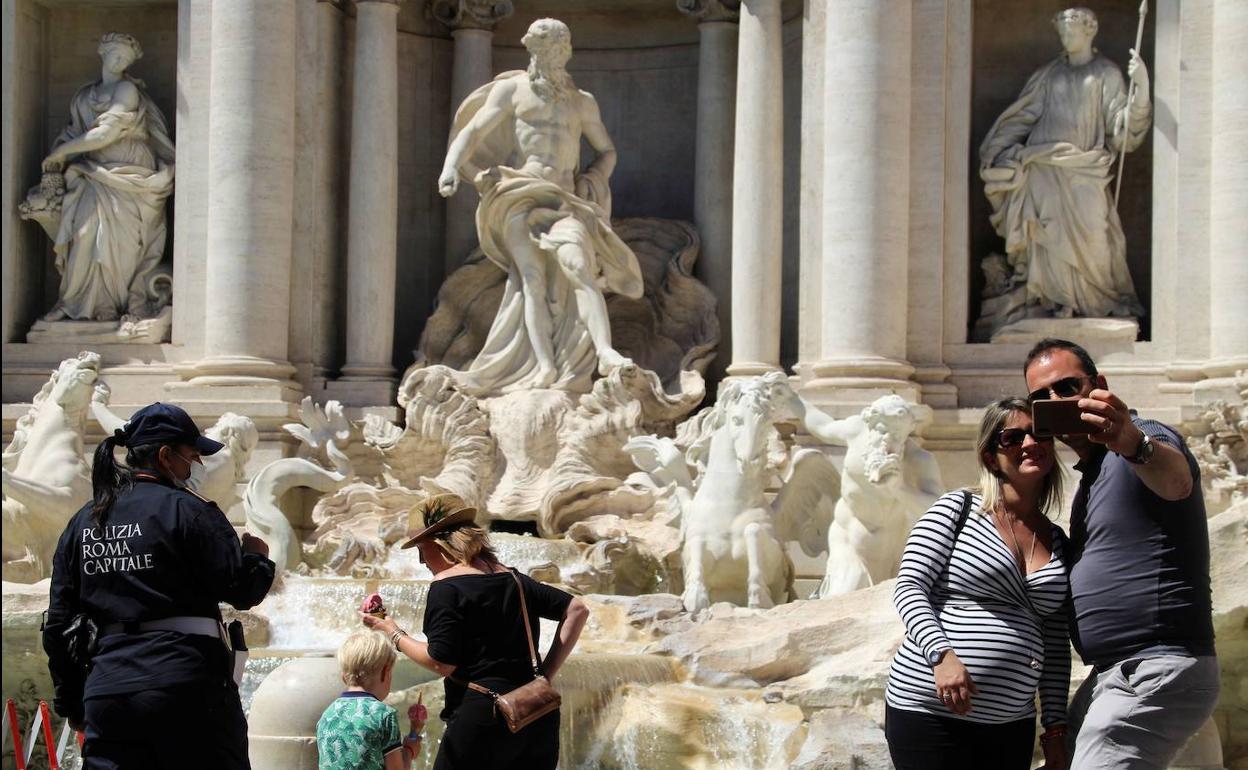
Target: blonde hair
(465, 543)
(363, 656)
(990, 480)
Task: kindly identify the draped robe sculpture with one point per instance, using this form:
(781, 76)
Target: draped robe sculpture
(543, 221)
(1047, 164)
(115, 161)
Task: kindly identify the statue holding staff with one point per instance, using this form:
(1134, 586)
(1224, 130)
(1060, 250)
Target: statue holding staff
(1048, 167)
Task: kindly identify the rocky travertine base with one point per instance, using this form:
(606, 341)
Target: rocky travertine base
(830, 659)
(797, 686)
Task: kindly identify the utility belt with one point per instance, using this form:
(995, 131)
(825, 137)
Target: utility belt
(183, 624)
(231, 636)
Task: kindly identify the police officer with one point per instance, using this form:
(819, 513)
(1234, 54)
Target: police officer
(145, 563)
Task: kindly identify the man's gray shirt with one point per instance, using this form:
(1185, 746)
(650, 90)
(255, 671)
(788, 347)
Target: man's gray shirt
(1140, 576)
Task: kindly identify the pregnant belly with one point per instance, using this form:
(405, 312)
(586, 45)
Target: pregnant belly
(1002, 648)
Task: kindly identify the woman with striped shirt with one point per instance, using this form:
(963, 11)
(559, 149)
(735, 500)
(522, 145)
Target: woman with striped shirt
(982, 592)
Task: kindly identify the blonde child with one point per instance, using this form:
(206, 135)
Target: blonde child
(358, 731)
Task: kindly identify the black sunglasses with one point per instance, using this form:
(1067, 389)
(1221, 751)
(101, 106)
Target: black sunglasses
(1008, 438)
(1063, 388)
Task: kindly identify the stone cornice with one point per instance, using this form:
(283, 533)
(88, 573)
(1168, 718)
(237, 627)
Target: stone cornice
(470, 14)
(710, 10)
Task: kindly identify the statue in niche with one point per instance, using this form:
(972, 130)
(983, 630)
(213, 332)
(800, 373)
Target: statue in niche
(887, 482)
(1048, 169)
(544, 221)
(102, 196)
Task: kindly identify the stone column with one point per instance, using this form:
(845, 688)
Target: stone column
(190, 204)
(712, 191)
(251, 135)
(372, 229)
(1228, 265)
(757, 191)
(866, 204)
(472, 26)
(24, 28)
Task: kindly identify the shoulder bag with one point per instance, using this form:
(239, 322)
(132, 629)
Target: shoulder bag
(526, 704)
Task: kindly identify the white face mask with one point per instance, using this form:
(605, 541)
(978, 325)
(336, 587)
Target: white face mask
(197, 478)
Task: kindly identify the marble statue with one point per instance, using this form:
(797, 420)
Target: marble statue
(102, 196)
(46, 474)
(671, 328)
(886, 483)
(1048, 170)
(733, 537)
(326, 433)
(1217, 436)
(218, 475)
(543, 221)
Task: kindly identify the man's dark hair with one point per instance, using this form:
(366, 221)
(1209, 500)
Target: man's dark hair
(1052, 343)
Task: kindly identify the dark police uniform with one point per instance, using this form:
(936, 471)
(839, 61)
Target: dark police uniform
(153, 698)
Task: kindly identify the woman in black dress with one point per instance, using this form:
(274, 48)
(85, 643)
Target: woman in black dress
(476, 634)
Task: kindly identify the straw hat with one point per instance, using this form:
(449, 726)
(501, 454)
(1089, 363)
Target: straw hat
(435, 515)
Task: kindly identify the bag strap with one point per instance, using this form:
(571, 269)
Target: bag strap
(528, 629)
(963, 514)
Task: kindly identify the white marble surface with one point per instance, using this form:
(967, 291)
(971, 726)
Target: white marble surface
(887, 481)
(250, 202)
(111, 170)
(1228, 198)
(46, 474)
(372, 228)
(717, 471)
(757, 186)
(865, 192)
(552, 328)
(1064, 239)
(712, 202)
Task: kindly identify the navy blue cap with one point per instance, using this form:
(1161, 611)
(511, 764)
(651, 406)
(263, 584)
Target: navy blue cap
(165, 424)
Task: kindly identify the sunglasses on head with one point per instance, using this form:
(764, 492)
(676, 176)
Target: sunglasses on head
(1063, 388)
(1008, 438)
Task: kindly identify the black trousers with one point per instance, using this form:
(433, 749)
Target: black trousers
(478, 739)
(919, 741)
(186, 727)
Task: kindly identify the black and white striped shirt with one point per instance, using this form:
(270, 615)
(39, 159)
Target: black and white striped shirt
(1008, 630)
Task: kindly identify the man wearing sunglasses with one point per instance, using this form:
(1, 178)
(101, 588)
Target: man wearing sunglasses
(1139, 579)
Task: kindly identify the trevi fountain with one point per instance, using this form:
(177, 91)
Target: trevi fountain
(698, 302)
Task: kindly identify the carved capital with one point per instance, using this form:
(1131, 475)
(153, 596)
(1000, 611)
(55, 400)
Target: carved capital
(470, 14)
(710, 10)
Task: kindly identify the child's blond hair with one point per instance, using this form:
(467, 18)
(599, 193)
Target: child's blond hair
(363, 656)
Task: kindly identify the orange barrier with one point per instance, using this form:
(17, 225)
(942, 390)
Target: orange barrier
(10, 713)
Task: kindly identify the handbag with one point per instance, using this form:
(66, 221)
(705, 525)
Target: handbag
(530, 702)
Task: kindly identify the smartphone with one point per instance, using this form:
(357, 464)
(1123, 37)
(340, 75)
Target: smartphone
(1054, 417)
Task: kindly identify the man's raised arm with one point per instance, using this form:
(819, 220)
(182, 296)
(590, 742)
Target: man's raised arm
(497, 107)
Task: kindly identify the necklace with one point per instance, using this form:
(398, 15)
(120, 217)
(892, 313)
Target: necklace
(1017, 549)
